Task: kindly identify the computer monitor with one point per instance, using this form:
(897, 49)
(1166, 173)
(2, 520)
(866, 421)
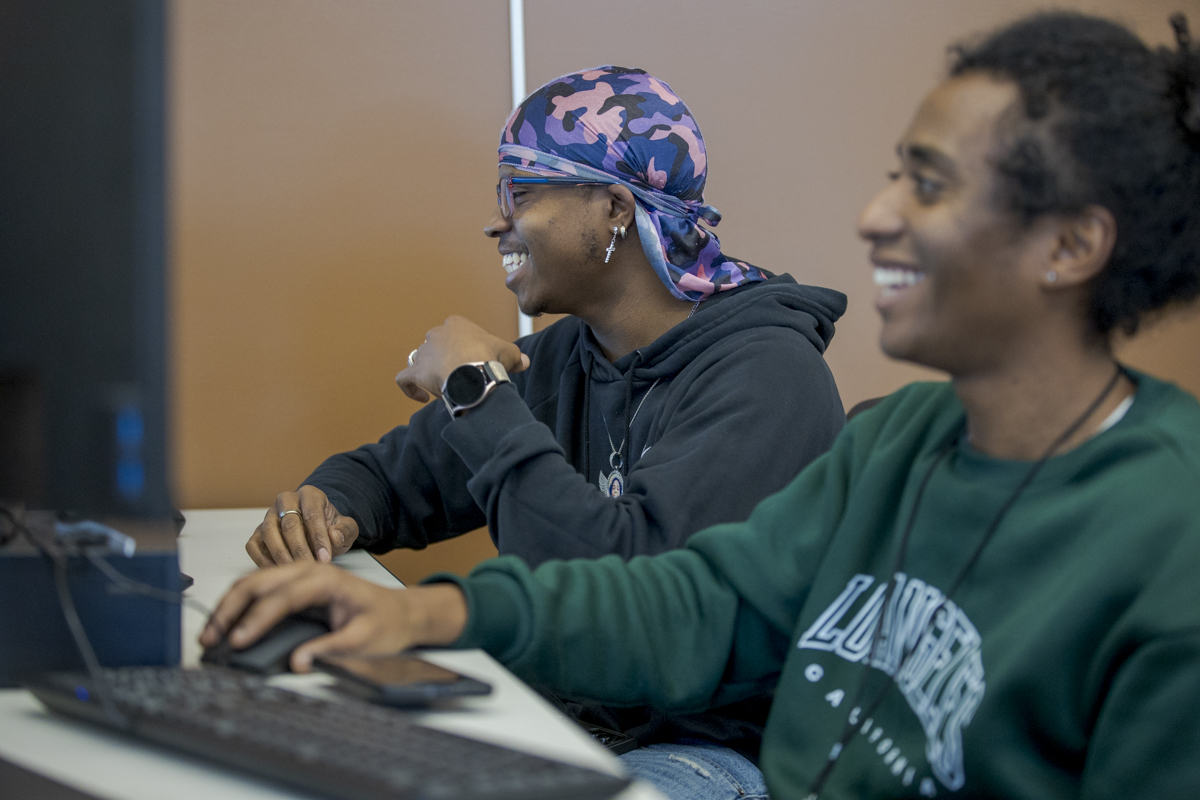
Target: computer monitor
(83, 257)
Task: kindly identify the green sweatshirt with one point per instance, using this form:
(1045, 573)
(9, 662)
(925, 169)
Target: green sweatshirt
(1066, 665)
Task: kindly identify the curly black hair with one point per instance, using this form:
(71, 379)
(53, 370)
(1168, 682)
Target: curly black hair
(1110, 122)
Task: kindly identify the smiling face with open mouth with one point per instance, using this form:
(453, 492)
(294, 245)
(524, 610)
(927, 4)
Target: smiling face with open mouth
(954, 270)
(550, 247)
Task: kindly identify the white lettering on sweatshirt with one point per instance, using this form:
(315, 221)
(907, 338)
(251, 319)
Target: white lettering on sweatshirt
(926, 644)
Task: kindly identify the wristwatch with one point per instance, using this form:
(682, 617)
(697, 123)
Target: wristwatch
(469, 385)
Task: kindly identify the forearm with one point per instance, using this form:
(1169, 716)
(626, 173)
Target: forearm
(651, 631)
(358, 488)
(407, 490)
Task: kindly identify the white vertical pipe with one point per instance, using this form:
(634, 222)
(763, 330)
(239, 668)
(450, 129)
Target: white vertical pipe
(516, 46)
(516, 39)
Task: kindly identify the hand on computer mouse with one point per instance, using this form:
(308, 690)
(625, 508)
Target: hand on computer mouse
(271, 654)
(366, 619)
(301, 526)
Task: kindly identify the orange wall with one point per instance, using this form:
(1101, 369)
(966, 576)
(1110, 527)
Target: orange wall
(333, 164)
(333, 167)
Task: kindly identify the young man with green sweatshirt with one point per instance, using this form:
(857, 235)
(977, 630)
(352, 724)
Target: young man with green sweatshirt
(988, 586)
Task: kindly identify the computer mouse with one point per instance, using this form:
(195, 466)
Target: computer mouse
(269, 655)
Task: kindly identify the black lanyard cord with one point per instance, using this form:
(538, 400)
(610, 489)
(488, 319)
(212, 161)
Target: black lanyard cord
(852, 721)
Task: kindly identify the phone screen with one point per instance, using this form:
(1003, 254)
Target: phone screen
(399, 680)
(393, 670)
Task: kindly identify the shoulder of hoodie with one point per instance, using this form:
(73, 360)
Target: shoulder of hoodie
(1169, 417)
(1162, 416)
(777, 310)
(913, 414)
(756, 304)
(783, 284)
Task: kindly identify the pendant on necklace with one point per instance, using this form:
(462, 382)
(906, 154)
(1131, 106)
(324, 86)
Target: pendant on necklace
(613, 484)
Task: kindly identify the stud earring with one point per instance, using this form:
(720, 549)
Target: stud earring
(612, 246)
(1051, 276)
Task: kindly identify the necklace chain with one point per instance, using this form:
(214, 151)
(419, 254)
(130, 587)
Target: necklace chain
(617, 451)
(613, 484)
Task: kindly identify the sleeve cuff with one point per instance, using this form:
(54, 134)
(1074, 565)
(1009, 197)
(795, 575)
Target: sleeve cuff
(477, 435)
(495, 621)
(366, 537)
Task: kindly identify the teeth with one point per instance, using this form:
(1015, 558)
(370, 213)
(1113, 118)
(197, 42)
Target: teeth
(514, 261)
(891, 278)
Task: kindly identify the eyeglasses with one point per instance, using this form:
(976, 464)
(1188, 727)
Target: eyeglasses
(504, 189)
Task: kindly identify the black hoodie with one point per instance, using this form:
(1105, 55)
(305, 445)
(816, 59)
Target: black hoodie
(717, 413)
(743, 401)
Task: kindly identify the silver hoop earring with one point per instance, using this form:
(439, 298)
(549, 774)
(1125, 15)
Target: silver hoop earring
(1051, 276)
(622, 231)
(612, 246)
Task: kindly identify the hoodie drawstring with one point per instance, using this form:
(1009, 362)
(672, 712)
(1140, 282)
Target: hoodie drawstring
(587, 422)
(637, 359)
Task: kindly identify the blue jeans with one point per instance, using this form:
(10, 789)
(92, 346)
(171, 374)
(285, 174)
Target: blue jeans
(692, 769)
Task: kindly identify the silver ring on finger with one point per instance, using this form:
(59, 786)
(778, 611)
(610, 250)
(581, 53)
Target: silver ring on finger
(283, 514)
(412, 357)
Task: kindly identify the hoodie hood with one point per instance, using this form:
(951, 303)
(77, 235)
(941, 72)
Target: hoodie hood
(623, 401)
(740, 350)
(778, 302)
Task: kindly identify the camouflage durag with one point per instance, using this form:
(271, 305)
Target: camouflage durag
(623, 126)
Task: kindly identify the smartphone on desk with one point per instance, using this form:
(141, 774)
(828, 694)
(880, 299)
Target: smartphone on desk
(401, 680)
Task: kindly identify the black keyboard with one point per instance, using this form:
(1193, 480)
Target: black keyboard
(351, 749)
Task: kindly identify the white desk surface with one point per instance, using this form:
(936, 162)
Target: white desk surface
(110, 765)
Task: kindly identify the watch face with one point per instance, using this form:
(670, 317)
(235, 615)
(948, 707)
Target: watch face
(465, 385)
